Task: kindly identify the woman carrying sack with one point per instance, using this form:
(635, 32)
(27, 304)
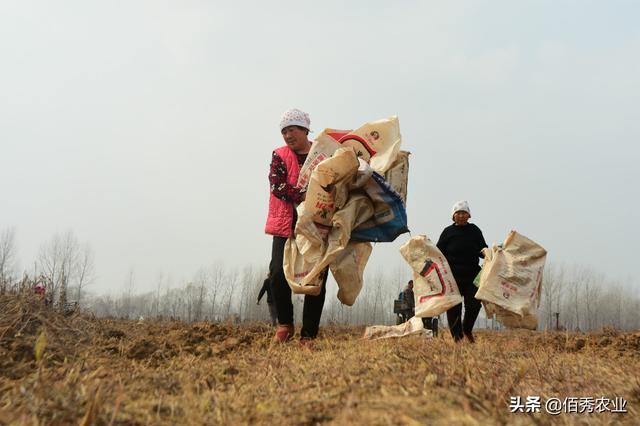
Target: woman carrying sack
(284, 197)
(462, 244)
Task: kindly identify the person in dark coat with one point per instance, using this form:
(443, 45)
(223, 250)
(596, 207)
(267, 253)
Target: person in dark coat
(409, 298)
(266, 288)
(462, 244)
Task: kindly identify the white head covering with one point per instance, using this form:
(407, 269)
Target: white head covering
(461, 205)
(295, 117)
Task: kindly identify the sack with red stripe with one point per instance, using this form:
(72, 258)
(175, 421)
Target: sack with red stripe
(434, 288)
(376, 142)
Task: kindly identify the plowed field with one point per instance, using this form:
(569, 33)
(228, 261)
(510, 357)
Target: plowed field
(80, 370)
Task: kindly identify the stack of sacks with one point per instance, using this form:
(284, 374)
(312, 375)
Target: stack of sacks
(377, 143)
(435, 289)
(511, 281)
(348, 205)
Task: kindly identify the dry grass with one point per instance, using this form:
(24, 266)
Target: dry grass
(121, 372)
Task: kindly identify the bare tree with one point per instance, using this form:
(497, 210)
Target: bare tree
(195, 293)
(229, 291)
(50, 260)
(174, 302)
(552, 292)
(84, 270)
(64, 263)
(189, 292)
(216, 277)
(251, 282)
(574, 298)
(246, 281)
(376, 290)
(7, 257)
(155, 304)
(592, 283)
(125, 305)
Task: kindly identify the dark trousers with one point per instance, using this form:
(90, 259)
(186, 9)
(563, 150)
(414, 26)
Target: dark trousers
(273, 313)
(312, 310)
(458, 325)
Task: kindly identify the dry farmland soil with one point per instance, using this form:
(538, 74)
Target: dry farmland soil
(80, 370)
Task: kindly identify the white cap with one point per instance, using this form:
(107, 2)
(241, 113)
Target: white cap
(295, 117)
(461, 205)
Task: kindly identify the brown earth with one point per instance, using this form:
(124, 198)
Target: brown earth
(98, 371)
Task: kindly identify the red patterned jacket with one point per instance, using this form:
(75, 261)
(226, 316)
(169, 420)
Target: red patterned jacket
(280, 216)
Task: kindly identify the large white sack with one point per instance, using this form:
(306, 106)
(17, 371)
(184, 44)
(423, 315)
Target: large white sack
(303, 269)
(328, 185)
(300, 274)
(321, 149)
(311, 237)
(381, 137)
(384, 136)
(412, 327)
(511, 281)
(348, 270)
(398, 174)
(434, 288)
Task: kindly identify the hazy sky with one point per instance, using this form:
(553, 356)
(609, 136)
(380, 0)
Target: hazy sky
(146, 127)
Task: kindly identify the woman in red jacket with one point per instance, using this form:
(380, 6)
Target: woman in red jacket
(284, 197)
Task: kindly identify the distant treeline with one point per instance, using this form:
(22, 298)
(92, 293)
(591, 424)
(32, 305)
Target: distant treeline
(573, 298)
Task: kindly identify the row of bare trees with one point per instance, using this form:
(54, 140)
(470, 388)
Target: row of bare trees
(573, 298)
(580, 298)
(217, 293)
(62, 264)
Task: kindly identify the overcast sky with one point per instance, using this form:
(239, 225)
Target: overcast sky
(146, 127)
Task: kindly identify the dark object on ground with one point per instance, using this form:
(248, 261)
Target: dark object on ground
(70, 308)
